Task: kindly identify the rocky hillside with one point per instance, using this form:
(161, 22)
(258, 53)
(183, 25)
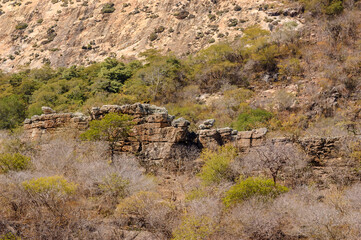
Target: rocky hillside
(65, 33)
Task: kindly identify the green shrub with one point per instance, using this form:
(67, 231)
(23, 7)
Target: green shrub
(253, 187)
(335, 8)
(232, 22)
(252, 118)
(21, 26)
(13, 162)
(159, 29)
(237, 8)
(216, 166)
(195, 228)
(54, 186)
(153, 36)
(108, 8)
(9, 236)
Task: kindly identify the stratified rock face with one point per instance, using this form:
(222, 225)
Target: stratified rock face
(211, 138)
(50, 122)
(156, 134)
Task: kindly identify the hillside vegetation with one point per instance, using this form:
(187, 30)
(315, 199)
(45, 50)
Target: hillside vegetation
(301, 81)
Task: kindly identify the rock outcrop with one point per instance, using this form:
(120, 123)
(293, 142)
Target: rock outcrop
(50, 122)
(156, 135)
(159, 138)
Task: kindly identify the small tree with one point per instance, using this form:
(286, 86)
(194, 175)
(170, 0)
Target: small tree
(112, 128)
(275, 157)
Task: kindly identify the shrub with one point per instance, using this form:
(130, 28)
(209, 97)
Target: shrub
(196, 194)
(21, 26)
(50, 186)
(217, 164)
(13, 162)
(9, 236)
(195, 228)
(334, 8)
(108, 8)
(253, 187)
(159, 29)
(237, 8)
(232, 22)
(114, 186)
(146, 210)
(153, 36)
(252, 118)
(181, 15)
(212, 40)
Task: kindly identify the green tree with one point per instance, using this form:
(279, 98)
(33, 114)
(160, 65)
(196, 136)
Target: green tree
(12, 111)
(112, 128)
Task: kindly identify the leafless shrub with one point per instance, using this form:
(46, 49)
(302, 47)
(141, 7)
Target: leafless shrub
(276, 158)
(182, 158)
(147, 210)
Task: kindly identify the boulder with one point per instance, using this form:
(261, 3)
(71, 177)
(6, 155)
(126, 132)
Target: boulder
(180, 122)
(259, 133)
(47, 110)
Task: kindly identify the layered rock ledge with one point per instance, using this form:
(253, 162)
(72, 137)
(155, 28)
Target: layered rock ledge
(155, 135)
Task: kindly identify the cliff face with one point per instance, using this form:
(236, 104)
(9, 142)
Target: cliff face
(158, 137)
(65, 33)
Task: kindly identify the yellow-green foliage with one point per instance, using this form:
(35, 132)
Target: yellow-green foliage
(195, 228)
(50, 186)
(9, 236)
(146, 209)
(114, 185)
(196, 194)
(253, 187)
(216, 166)
(289, 67)
(13, 162)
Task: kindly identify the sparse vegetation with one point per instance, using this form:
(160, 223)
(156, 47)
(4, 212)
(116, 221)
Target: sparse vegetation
(108, 8)
(13, 162)
(253, 187)
(21, 26)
